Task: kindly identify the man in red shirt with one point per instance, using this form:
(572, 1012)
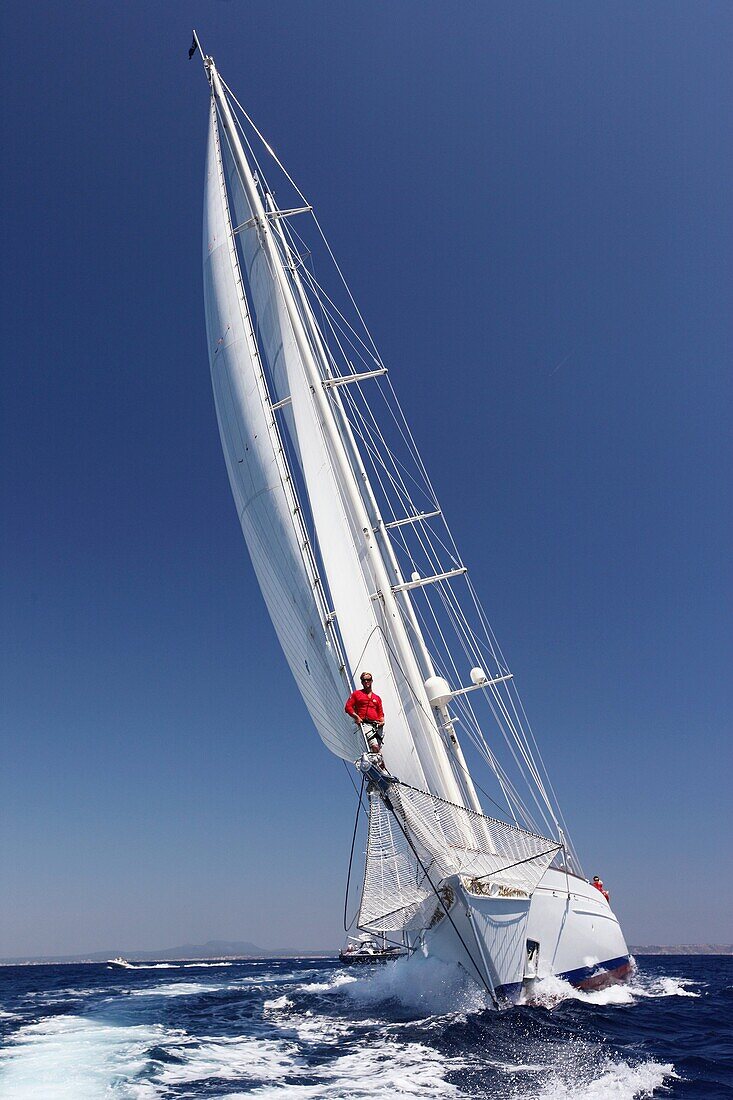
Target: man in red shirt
(366, 706)
(599, 886)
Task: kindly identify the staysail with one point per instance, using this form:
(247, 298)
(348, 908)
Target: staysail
(258, 473)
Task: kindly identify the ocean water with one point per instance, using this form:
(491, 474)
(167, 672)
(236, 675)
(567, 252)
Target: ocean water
(313, 1030)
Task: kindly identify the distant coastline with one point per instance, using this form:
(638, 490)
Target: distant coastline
(212, 950)
(228, 950)
(683, 949)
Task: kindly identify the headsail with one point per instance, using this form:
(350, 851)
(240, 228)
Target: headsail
(258, 474)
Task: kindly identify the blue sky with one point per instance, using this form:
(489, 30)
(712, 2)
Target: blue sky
(532, 205)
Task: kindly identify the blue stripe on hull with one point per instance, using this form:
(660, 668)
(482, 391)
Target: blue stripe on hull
(576, 977)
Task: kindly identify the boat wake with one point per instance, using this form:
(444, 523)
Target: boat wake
(291, 1032)
(174, 989)
(174, 966)
(73, 1058)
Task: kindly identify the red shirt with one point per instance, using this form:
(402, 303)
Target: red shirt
(368, 707)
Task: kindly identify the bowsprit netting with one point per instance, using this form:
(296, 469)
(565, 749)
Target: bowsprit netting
(446, 840)
(394, 884)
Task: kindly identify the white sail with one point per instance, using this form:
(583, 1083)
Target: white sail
(413, 747)
(257, 474)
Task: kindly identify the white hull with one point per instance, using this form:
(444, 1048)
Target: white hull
(578, 934)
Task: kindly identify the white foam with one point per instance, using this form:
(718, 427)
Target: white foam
(377, 1071)
(330, 986)
(240, 1058)
(427, 986)
(314, 1030)
(615, 1081)
(147, 966)
(267, 979)
(174, 989)
(71, 1058)
(169, 966)
(74, 1058)
(187, 966)
(665, 987)
(278, 1003)
(551, 991)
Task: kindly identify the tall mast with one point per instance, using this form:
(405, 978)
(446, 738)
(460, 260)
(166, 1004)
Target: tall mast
(431, 748)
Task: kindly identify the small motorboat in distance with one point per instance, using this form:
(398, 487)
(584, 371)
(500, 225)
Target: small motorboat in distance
(367, 950)
(119, 963)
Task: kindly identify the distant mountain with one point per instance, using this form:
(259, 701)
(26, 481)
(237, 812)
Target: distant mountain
(684, 949)
(212, 949)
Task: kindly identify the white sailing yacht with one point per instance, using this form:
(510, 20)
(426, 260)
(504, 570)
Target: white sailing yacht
(359, 570)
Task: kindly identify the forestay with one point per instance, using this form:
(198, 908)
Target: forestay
(258, 474)
(427, 838)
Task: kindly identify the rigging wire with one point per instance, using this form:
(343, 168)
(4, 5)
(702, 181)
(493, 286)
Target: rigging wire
(360, 806)
(505, 701)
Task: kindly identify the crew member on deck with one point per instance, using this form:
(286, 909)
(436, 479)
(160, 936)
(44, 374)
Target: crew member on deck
(599, 886)
(366, 706)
